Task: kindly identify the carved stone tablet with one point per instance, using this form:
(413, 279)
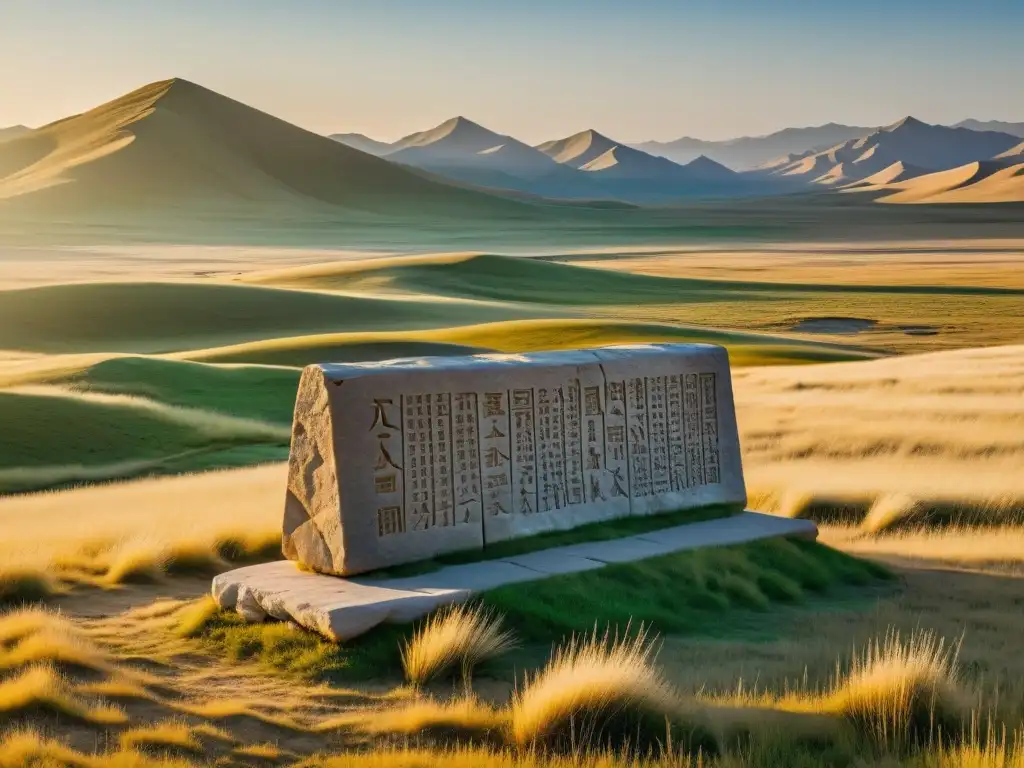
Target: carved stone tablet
(401, 460)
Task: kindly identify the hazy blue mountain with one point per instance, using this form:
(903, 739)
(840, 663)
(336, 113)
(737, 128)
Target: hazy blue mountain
(748, 152)
(1014, 129)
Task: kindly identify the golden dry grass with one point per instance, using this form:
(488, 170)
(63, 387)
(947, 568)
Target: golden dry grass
(32, 637)
(999, 547)
(903, 692)
(107, 535)
(259, 751)
(457, 636)
(41, 689)
(898, 693)
(467, 716)
(588, 688)
(172, 733)
(193, 617)
(916, 441)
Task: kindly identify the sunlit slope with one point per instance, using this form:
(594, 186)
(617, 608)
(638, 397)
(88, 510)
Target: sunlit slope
(537, 281)
(132, 416)
(174, 145)
(989, 182)
(165, 317)
(55, 436)
(522, 336)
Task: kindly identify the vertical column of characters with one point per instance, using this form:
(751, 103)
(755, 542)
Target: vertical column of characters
(387, 474)
(468, 487)
(709, 427)
(616, 448)
(691, 430)
(419, 463)
(441, 451)
(657, 433)
(636, 423)
(573, 449)
(550, 449)
(524, 452)
(676, 443)
(496, 453)
(545, 494)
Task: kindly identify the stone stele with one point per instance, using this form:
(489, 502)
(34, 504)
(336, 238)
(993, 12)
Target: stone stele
(401, 460)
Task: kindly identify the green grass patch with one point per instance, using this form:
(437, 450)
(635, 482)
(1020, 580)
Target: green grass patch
(714, 592)
(686, 593)
(246, 391)
(604, 531)
(168, 317)
(54, 438)
(536, 281)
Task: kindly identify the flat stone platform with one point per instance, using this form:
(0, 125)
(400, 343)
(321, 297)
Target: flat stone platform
(343, 608)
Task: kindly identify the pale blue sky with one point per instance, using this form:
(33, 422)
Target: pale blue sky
(635, 69)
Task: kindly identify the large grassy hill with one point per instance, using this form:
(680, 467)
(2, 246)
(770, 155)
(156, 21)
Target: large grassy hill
(164, 317)
(174, 144)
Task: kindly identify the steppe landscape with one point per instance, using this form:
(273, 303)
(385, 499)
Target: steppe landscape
(171, 260)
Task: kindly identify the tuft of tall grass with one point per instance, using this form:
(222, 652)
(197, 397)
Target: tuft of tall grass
(462, 635)
(32, 636)
(888, 510)
(903, 693)
(25, 747)
(193, 619)
(25, 584)
(461, 720)
(597, 691)
(171, 734)
(43, 689)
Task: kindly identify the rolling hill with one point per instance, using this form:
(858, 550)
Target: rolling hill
(909, 142)
(173, 147)
(169, 317)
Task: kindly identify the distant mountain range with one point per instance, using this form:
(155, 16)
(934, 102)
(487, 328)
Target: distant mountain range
(914, 145)
(175, 148)
(1014, 129)
(586, 165)
(748, 152)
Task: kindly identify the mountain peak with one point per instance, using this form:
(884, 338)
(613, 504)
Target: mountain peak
(455, 129)
(705, 167)
(594, 136)
(908, 123)
(459, 122)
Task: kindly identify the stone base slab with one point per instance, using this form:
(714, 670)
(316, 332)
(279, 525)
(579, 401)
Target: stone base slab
(343, 608)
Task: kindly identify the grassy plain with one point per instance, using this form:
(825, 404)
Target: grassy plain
(908, 461)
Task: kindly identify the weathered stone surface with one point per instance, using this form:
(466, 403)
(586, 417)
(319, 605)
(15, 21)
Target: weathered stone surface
(343, 608)
(398, 461)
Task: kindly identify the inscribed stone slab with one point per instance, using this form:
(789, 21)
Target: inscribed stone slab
(402, 460)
